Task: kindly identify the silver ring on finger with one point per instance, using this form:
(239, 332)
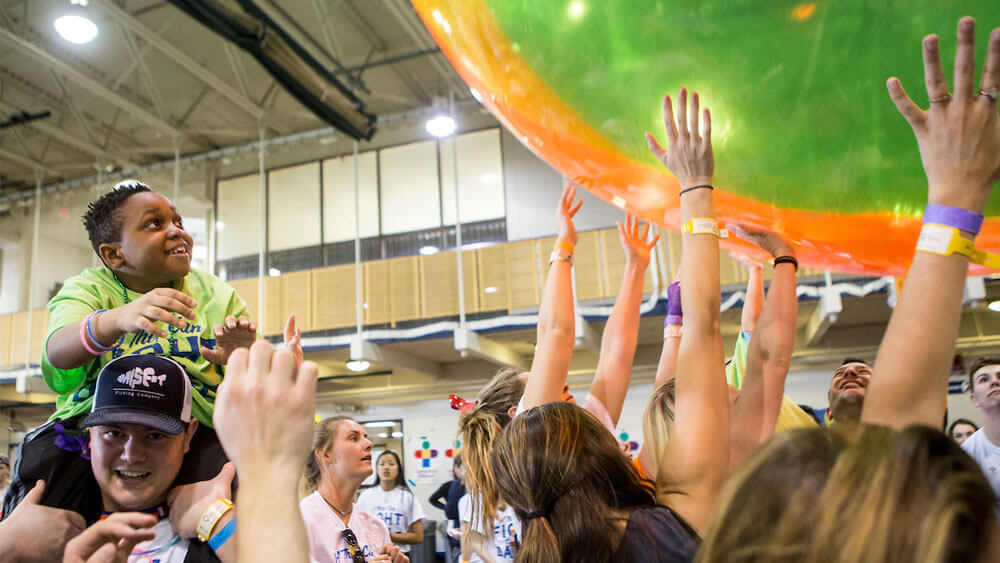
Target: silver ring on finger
(992, 94)
(941, 99)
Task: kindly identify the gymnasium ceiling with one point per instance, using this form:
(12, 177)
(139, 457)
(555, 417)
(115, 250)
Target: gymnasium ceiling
(156, 80)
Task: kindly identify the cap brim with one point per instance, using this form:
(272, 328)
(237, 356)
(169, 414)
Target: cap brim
(155, 420)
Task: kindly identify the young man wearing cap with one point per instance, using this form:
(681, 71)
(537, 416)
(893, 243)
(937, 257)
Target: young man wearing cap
(140, 428)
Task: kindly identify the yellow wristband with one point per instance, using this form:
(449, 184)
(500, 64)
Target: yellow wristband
(211, 517)
(945, 240)
(704, 226)
(565, 245)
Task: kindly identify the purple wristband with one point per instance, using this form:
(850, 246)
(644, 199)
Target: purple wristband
(674, 311)
(953, 217)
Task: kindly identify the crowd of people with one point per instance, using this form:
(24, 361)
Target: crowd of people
(173, 419)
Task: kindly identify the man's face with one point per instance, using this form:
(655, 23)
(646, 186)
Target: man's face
(850, 383)
(135, 465)
(154, 245)
(986, 387)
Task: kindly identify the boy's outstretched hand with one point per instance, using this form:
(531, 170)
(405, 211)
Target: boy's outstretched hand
(768, 241)
(565, 212)
(235, 333)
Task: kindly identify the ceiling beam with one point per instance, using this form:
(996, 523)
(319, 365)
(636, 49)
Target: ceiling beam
(393, 359)
(28, 162)
(470, 343)
(190, 65)
(74, 141)
(68, 70)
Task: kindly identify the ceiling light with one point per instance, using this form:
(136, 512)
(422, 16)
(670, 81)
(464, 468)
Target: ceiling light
(397, 434)
(440, 125)
(994, 306)
(75, 25)
(358, 365)
(428, 250)
(383, 435)
(381, 424)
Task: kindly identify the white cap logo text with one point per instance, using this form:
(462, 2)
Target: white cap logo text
(139, 376)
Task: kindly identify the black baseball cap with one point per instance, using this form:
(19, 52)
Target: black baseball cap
(142, 389)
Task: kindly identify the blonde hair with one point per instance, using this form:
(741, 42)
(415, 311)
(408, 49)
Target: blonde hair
(875, 495)
(657, 423)
(323, 434)
(477, 429)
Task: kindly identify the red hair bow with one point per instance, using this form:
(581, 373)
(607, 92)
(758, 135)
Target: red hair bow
(460, 404)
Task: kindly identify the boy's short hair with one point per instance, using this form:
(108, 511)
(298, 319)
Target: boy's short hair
(103, 219)
(979, 364)
(854, 361)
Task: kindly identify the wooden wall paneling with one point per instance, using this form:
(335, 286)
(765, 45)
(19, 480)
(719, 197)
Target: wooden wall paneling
(5, 340)
(673, 243)
(20, 339)
(377, 286)
(333, 304)
(613, 262)
(295, 297)
(523, 273)
(247, 290)
(439, 284)
(271, 320)
(587, 266)
(404, 277)
(494, 278)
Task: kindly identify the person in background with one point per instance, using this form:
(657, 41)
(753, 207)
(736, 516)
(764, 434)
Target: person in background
(392, 501)
(452, 492)
(961, 429)
(984, 444)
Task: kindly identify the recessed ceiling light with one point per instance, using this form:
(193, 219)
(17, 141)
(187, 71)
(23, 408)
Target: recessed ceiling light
(994, 306)
(440, 125)
(75, 25)
(358, 365)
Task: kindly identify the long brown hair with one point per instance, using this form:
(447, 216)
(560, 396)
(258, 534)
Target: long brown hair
(478, 428)
(323, 434)
(878, 495)
(566, 479)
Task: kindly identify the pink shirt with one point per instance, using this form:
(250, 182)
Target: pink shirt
(324, 527)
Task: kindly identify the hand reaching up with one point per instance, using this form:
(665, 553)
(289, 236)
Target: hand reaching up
(959, 134)
(634, 240)
(565, 212)
(293, 340)
(768, 241)
(689, 154)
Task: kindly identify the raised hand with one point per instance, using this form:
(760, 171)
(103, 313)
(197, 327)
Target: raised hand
(565, 212)
(768, 241)
(293, 340)
(959, 134)
(689, 154)
(111, 539)
(234, 333)
(159, 304)
(633, 239)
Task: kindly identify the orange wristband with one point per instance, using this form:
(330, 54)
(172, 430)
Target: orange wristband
(567, 246)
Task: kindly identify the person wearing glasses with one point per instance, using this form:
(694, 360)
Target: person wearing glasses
(339, 530)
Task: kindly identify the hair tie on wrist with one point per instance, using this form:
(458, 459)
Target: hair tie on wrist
(787, 260)
(534, 514)
(686, 190)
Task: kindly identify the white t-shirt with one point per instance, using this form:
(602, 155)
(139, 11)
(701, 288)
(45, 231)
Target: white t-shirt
(324, 527)
(506, 536)
(166, 547)
(591, 404)
(987, 454)
(398, 508)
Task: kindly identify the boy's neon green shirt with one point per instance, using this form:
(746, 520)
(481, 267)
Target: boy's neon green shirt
(96, 289)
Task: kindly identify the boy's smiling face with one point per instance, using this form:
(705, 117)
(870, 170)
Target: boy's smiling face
(155, 250)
